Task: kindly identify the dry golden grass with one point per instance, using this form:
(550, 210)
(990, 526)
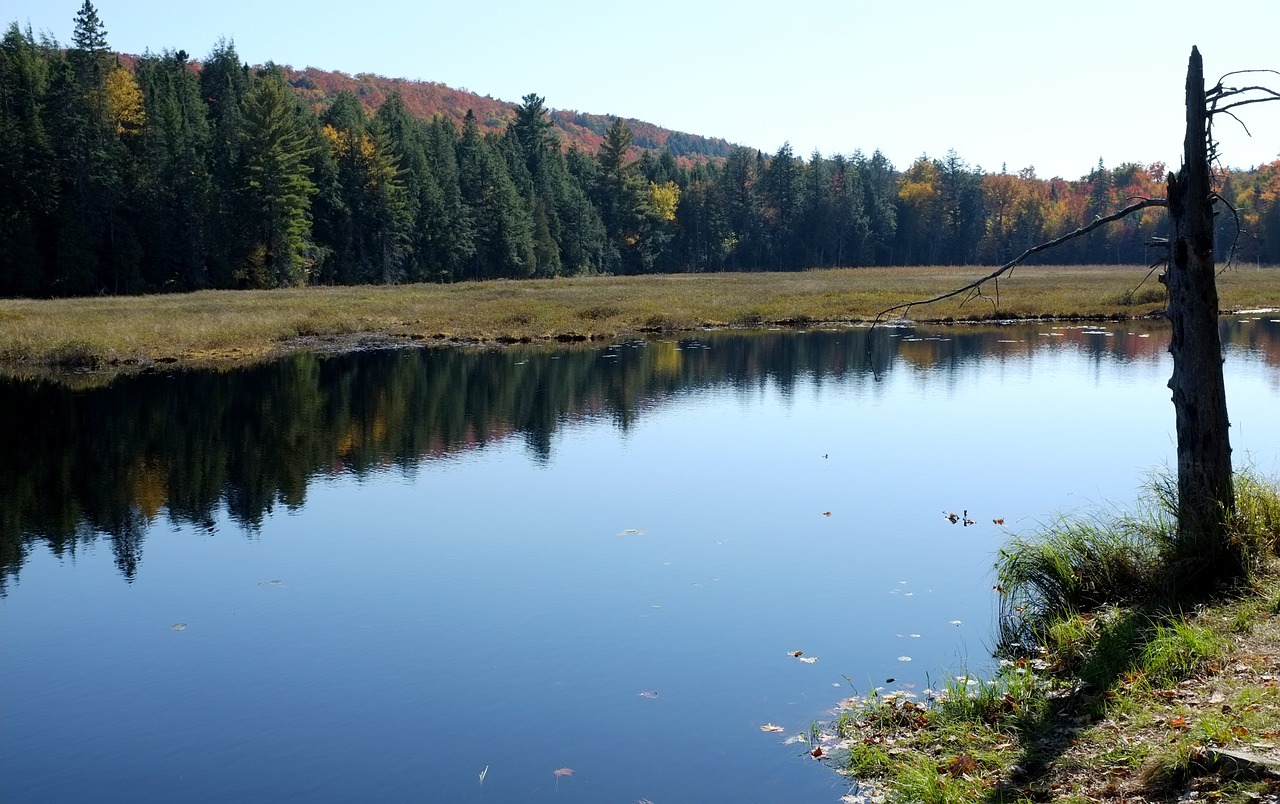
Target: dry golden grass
(236, 325)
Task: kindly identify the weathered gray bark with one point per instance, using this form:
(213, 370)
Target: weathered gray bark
(1205, 494)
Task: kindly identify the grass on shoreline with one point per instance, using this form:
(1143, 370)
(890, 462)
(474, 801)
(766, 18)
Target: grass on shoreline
(230, 326)
(1110, 696)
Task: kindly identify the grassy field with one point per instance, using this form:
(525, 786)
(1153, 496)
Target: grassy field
(218, 326)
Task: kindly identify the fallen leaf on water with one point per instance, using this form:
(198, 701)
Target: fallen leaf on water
(904, 658)
(999, 521)
(179, 626)
(956, 623)
(796, 653)
(563, 771)
(649, 694)
(795, 738)
(826, 513)
(809, 659)
(816, 753)
(632, 532)
(484, 773)
(770, 727)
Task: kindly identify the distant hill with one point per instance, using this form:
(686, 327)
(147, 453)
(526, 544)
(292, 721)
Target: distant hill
(426, 99)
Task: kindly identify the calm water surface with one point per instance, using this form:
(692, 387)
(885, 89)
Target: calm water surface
(374, 576)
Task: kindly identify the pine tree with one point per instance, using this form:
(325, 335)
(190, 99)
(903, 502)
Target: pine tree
(176, 188)
(28, 168)
(503, 225)
(277, 186)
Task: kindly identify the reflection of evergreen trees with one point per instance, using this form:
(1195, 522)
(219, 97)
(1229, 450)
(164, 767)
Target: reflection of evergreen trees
(109, 461)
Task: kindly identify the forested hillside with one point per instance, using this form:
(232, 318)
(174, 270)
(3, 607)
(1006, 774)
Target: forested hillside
(122, 175)
(425, 100)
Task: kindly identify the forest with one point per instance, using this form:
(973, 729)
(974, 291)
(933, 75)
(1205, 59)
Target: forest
(160, 173)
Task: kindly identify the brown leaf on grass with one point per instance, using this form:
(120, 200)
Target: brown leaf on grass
(962, 765)
(563, 771)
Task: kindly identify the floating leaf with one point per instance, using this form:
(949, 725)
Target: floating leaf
(770, 727)
(563, 771)
(889, 680)
(817, 753)
(179, 626)
(956, 623)
(999, 521)
(904, 658)
(632, 532)
(649, 694)
(484, 773)
(796, 653)
(809, 659)
(795, 738)
(826, 513)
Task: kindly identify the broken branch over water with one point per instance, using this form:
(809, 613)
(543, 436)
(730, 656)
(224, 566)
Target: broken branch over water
(994, 276)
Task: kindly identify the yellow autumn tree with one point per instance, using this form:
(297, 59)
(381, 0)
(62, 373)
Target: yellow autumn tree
(123, 102)
(664, 199)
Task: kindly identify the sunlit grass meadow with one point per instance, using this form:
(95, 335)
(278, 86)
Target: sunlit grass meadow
(235, 325)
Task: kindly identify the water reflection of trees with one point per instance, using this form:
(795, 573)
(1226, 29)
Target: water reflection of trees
(110, 461)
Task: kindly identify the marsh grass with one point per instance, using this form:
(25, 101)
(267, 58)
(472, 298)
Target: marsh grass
(1118, 689)
(1078, 564)
(239, 325)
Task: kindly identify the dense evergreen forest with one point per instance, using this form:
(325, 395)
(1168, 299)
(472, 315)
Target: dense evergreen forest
(122, 175)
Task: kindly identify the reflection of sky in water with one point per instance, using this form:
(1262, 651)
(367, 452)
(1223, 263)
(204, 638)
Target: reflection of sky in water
(492, 610)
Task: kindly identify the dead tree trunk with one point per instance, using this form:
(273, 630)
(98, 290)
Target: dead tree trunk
(1205, 494)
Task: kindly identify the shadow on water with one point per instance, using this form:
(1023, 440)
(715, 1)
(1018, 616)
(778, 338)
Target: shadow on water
(78, 465)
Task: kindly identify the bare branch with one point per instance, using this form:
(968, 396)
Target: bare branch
(1235, 240)
(1238, 120)
(1227, 92)
(1245, 72)
(1244, 103)
(976, 285)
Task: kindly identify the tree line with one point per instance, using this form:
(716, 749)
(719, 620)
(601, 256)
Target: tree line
(162, 174)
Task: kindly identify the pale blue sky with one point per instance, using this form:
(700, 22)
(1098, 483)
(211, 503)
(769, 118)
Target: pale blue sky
(1051, 84)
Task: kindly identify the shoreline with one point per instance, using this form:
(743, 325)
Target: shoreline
(228, 328)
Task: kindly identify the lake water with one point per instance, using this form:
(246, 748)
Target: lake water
(449, 574)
